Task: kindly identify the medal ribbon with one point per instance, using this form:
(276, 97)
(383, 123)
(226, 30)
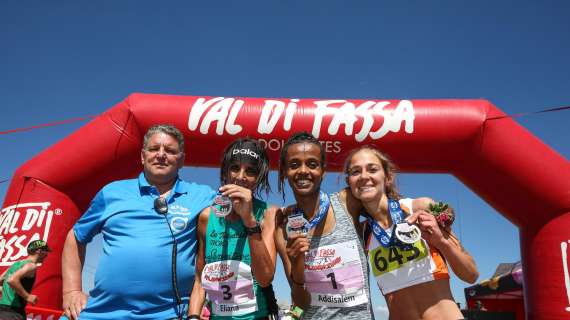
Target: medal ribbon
(324, 203)
(397, 217)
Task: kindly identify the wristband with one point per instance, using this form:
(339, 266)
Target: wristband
(296, 312)
(254, 230)
(193, 317)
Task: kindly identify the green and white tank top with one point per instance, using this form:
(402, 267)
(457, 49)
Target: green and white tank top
(227, 277)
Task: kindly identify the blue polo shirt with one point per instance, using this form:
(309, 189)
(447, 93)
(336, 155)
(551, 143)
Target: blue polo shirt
(133, 278)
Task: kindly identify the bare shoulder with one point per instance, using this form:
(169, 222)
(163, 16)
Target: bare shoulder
(204, 215)
(352, 204)
(27, 270)
(30, 266)
(342, 194)
(203, 220)
(422, 203)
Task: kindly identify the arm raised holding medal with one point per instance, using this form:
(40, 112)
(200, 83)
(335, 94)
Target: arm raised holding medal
(408, 241)
(261, 235)
(294, 246)
(317, 240)
(237, 250)
(443, 238)
(292, 251)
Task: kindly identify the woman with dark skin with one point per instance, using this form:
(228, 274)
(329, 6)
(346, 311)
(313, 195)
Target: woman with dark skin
(317, 240)
(236, 281)
(413, 277)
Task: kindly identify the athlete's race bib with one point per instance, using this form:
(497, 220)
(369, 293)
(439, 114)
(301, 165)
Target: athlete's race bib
(229, 285)
(333, 275)
(385, 260)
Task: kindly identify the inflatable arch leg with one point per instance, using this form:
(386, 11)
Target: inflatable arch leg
(546, 265)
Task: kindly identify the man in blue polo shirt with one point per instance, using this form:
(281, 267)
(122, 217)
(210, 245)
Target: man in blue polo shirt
(138, 219)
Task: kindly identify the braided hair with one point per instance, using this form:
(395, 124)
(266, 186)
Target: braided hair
(299, 137)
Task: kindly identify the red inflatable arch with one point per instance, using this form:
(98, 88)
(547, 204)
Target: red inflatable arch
(521, 177)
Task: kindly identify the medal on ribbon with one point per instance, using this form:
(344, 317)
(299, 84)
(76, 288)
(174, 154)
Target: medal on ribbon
(407, 233)
(222, 205)
(297, 223)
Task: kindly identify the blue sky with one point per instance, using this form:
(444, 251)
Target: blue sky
(75, 58)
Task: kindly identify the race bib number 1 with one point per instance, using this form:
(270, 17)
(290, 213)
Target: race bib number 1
(334, 277)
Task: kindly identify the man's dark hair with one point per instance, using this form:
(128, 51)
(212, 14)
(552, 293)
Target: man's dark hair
(249, 151)
(299, 137)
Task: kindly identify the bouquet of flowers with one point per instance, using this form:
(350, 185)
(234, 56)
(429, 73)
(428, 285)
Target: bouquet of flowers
(443, 213)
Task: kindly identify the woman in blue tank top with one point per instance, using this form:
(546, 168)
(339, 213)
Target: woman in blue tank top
(236, 282)
(317, 240)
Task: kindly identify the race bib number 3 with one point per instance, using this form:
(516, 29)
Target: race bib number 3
(385, 260)
(229, 285)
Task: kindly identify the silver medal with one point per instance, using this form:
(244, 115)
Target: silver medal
(408, 233)
(222, 205)
(296, 224)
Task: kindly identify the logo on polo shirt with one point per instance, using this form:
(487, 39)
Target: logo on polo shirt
(180, 217)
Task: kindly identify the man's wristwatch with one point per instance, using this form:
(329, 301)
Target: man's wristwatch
(253, 230)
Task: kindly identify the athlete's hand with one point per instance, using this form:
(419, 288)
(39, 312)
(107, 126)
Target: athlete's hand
(242, 202)
(32, 298)
(297, 245)
(431, 231)
(73, 303)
